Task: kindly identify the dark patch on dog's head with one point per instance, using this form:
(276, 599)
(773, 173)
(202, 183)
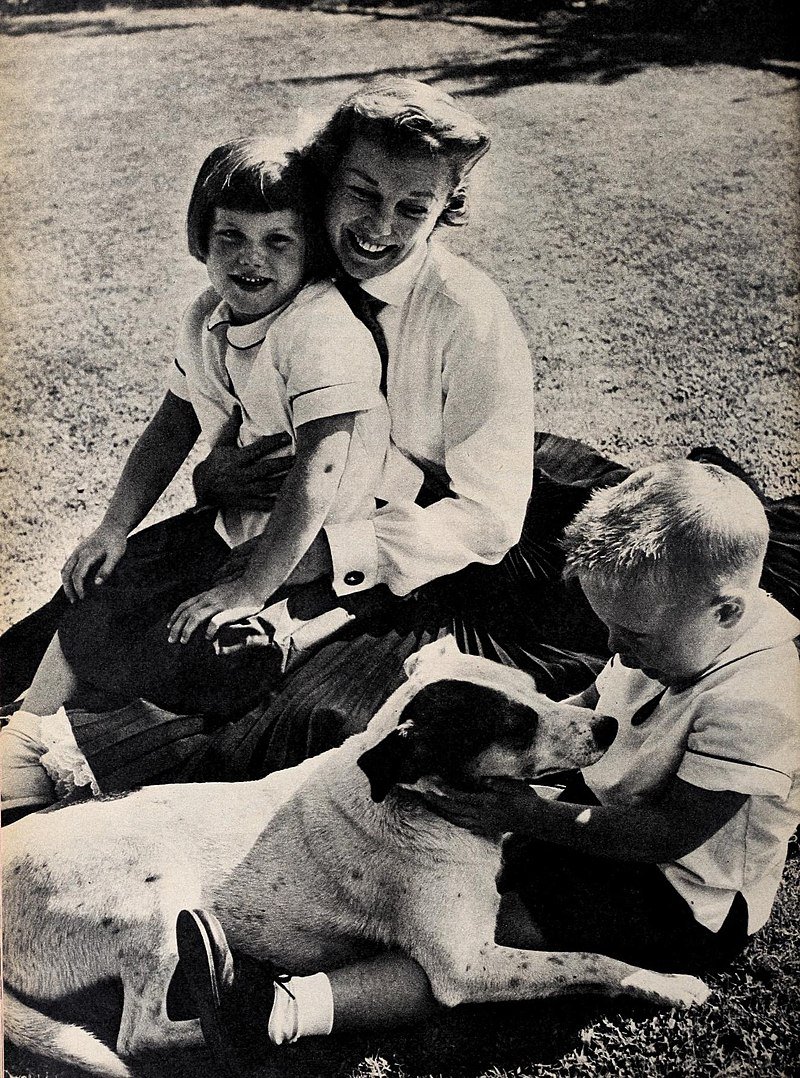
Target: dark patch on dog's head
(443, 727)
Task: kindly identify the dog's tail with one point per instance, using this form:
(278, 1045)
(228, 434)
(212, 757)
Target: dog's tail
(30, 1029)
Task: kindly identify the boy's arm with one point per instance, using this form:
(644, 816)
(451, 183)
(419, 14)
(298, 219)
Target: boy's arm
(684, 818)
(159, 451)
(302, 506)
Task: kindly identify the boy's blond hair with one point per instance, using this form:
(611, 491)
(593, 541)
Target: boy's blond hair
(679, 522)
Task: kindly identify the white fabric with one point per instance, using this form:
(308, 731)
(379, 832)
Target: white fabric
(310, 360)
(737, 728)
(30, 744)
(460, 391)
(303, 1007)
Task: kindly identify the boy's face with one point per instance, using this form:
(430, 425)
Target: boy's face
(671, 638)
(256, 261)
(381, 205)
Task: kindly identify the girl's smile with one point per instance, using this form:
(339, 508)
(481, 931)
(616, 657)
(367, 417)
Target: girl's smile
(382, 204)
(256, 261)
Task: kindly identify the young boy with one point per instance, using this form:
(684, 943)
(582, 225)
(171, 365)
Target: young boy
(670, 852)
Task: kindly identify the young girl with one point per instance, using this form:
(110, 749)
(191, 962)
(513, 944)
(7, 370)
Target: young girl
(274, 339)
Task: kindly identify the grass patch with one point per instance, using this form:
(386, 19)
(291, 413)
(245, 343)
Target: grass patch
(636, 216)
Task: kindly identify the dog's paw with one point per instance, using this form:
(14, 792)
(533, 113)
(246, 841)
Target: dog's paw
(667, 989)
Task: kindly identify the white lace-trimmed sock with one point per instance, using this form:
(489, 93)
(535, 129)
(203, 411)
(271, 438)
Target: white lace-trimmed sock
(309, 1014)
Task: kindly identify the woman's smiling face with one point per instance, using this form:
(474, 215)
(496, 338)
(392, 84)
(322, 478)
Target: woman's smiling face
(382, 204)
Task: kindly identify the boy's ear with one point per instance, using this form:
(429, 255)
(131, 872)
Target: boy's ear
(730, 610)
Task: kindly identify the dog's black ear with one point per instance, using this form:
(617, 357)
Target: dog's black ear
(386, 763)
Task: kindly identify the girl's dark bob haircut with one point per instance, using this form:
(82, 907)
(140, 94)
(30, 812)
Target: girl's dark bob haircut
(254, 175)
(407, 117)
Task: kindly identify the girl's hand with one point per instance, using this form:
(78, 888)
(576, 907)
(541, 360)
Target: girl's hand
(235, 564)
(224, 603)
(502, 805)
(99, 554)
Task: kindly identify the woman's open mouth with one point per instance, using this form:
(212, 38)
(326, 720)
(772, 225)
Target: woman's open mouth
(248, 282)
(368, 249)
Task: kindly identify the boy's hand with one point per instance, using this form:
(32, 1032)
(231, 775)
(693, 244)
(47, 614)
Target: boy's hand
(502, 805)
(243, 477)
(97, 554)
(220, 605)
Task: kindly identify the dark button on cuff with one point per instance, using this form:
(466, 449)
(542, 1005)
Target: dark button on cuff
(353, 577)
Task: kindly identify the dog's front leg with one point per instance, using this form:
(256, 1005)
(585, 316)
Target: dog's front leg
(492, 973)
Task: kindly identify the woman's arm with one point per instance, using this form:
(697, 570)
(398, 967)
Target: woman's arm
(302, 506)
(160, 450)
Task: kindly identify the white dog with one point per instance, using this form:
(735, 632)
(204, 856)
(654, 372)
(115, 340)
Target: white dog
(300, 864)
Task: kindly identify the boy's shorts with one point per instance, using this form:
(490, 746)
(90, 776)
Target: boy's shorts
(623, 909)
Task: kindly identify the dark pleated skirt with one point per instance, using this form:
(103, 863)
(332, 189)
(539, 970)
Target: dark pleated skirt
(518, 612)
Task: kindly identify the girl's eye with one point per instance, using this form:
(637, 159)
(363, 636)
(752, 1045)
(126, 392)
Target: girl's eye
(279, 242)
(228, 235)
(361, 193)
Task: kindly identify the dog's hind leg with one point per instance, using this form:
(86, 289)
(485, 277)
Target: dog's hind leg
(145, 1026)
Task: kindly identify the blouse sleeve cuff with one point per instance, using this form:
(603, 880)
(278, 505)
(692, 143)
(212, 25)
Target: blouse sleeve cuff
(354, 555)
(335, 400)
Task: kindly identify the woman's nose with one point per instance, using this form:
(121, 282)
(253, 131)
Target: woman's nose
(381, 219)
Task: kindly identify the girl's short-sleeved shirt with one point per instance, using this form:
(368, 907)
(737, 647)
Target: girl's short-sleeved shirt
(311, 359)
(736, 728)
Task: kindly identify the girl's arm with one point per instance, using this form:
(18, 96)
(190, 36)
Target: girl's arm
(302, 506)
(159, 451)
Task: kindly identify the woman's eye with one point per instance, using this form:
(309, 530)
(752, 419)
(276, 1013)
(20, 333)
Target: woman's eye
(414, 211)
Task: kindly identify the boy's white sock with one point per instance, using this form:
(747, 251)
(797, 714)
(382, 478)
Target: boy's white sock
(308, 1014)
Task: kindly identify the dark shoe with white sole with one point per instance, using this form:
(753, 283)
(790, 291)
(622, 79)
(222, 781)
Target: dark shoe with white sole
(232, 994)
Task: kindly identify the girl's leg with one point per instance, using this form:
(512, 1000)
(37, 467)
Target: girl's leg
(25, 783)
(54, 683)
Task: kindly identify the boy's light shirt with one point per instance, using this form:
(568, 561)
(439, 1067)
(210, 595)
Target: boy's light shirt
(736, 728)
(460, 392)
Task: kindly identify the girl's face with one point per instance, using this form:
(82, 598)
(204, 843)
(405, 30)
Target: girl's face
(256, 261)
(381, 205)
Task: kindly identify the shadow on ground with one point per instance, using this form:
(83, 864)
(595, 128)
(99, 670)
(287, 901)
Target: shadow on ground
(462, 1044)
(601, 41)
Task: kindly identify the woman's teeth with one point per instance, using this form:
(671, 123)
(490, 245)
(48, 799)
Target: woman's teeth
(369, 248)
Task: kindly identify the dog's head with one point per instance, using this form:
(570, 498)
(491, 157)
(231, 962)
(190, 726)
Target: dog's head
(480, 719)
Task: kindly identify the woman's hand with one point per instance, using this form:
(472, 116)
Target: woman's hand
(243, 477)
(501, 805)
(230, 601)
(97, 554)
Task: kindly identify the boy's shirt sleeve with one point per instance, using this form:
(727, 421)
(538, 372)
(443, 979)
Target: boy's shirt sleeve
(329, 360)
(747, 745)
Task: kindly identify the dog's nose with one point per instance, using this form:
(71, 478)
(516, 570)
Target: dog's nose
(604, 730)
